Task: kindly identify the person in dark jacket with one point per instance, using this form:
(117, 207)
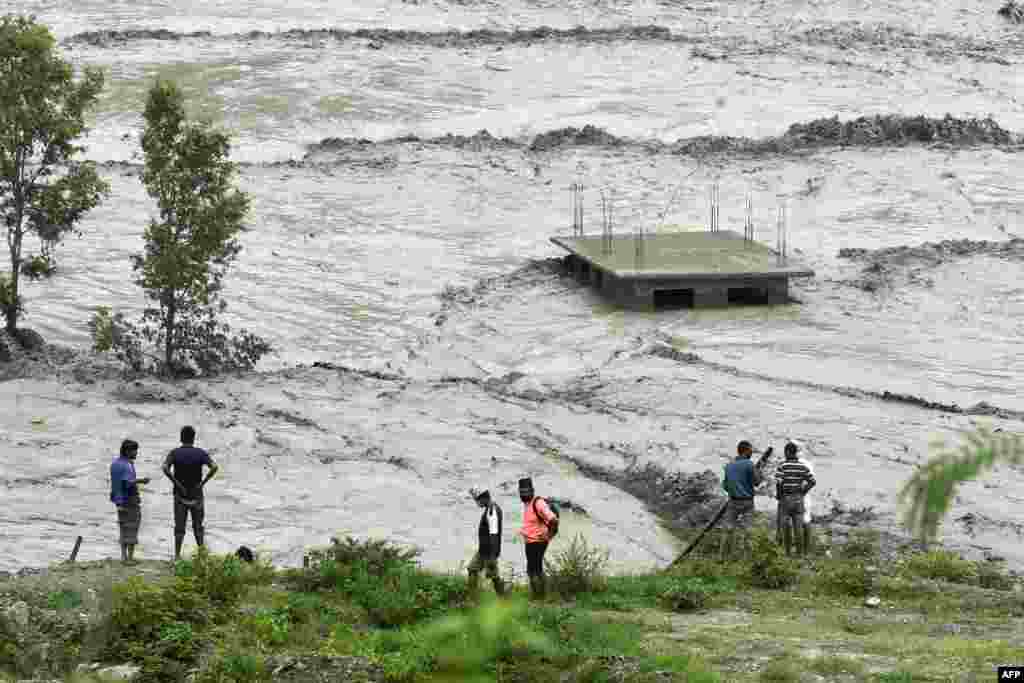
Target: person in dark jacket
(184, 467)
(124, 493)
(740, 481)
(489, 545)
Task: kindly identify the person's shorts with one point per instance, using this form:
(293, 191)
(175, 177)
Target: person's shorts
(129, 519)
(792, 506)
(740, 513)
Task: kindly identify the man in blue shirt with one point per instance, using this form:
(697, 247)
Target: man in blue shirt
(184, 467)
(741, 478)
(124, 493)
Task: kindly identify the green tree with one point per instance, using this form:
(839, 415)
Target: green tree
(189, 248)
(43, 190)
(932, 489)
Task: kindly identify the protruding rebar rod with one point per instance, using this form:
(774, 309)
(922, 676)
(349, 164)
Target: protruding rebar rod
(748, 229)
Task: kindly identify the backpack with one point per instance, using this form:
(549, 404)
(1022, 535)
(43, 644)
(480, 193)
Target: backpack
(552, 532)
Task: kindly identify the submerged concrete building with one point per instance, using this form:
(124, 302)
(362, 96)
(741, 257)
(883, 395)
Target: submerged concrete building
(698, 269)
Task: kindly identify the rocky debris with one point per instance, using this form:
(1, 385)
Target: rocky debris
(1012, 11)
(589, 135)
(121, 672)
(316, 669)
(41, 636)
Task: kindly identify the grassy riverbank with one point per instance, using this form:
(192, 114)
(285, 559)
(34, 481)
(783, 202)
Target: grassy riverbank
(365, 611)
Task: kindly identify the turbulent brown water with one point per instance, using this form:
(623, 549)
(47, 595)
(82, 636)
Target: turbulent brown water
(387, 233)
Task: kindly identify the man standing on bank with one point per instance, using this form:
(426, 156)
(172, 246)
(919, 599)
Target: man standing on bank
(184, 467)
(489, 548)
(793, 481)
(124, 493)
(740, 481)
(540, 525)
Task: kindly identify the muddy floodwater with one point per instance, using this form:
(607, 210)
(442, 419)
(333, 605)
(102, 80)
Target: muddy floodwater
(426, 340)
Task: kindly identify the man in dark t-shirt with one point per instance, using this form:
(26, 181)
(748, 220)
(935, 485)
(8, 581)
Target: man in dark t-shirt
(184, 467)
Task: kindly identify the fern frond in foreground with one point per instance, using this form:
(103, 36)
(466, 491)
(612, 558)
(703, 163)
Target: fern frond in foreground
(930, 492)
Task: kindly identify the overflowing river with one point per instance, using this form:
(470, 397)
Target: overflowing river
(386, 235)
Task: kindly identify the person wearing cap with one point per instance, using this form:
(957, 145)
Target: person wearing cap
(538, 522)
(489, 547)
(740, 480)
(793, 481)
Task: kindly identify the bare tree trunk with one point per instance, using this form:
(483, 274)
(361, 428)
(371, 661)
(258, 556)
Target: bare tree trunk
(15, 245)
(169, 320)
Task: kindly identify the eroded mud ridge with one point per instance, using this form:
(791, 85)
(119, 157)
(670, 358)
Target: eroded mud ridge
(377, 37)
(851, 35)
(937, 252)
(864, 131)
(844, 36)
(882, 265)
(663, 350)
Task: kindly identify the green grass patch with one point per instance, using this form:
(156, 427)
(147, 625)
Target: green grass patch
(836, 665)
(941, 565)
(781, 670)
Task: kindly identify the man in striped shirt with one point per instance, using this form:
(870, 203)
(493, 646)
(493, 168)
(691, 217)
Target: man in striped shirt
(793, 479)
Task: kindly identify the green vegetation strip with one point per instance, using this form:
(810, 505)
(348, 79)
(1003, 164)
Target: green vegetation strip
(365, 610)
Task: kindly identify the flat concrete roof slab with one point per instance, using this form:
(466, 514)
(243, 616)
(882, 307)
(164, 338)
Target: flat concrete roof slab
(713, 255)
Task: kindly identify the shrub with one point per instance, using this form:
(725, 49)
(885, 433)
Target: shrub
(467, 647)
(64, 599)
(692, 593)
(379, 556)
(220, 578)
(147, 625)
(37, 266)
(769, 566)
(862, 544)
(845, 577)
(942, 565)
(234, 668)
(579, 568)
(8, 300)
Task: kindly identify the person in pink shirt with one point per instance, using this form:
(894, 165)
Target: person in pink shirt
(540, 525)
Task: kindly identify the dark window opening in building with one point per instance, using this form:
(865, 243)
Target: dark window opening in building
(746, 295)
(673, 298)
